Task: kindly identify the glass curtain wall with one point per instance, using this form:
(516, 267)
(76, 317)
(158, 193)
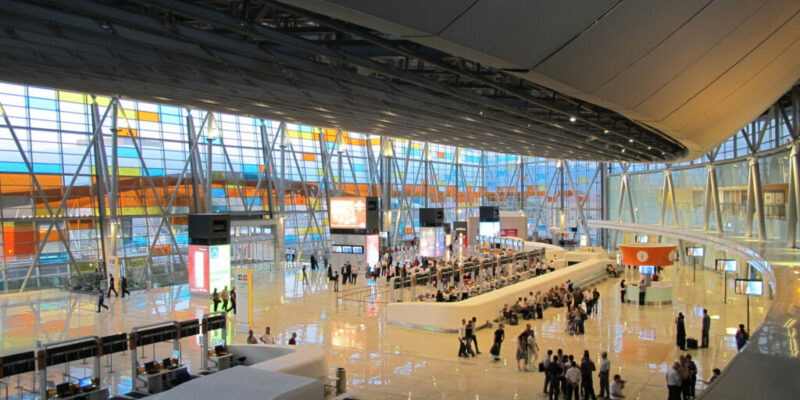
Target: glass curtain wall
(153, 179)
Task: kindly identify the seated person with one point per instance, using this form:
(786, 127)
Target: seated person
(439, 296)
(611, 271)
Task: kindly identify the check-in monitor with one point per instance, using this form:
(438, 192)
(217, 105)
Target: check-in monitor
(749, 287)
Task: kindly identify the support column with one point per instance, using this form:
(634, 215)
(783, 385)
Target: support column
(791, 207)
(194, 160)
(715, 197)
(759, 199)
(100, 171)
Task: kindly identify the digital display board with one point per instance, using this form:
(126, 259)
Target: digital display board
(727, 265)
(695, 251)
(219, 266)
(647, 269)
(491, 229)
(348, 213)
(373, 249)
(749, 287)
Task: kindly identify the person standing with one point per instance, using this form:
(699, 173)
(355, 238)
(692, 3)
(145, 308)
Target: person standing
(233, 300)
(215, 299)
(587, 368)
(123, 286)
(305, 276)
(741, 337)
(468, 332)
(225, 297)
(605, 369)
(622, 289)
(595, 299)
(101, 299)
(499, 336)
(313, 262)
(573, 377)
(472, 337)
(267, 338)
(354, 275)
(293, 340)
(555, 371)
(336, 282)
(348, 269)
(111, 287)
(462, 345)
(706, 328)
(616, 388)
(681, 331)
(546, 366)
(683, 370)
(692, 375)
(250, 338)
(674, 382)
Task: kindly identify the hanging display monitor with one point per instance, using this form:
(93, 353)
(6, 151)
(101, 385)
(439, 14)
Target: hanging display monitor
(695, 251)
(490, 229)
(749, 287)
(727, 265)
(348, 213)
(219, 266)
(647, 269)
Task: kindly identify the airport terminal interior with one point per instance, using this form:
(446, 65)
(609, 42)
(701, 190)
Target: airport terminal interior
(337, 199)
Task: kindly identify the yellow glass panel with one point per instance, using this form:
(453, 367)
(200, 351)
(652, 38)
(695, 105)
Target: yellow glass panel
(103, 100)
(129, 114)
(129, 171)
(147, 116)
(72, 97)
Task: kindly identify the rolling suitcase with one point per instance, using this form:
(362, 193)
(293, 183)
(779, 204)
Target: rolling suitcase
(691, 343)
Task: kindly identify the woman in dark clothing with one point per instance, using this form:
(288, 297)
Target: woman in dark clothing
(499, 336)
(681, 336)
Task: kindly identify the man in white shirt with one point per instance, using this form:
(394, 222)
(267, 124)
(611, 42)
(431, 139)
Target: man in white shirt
(573, 380)
(605, 369)
(267, 338)
(616, 388)
(462, 337)
(674, 382)
(533, 349)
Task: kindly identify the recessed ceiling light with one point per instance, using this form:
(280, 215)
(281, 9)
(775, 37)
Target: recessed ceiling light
(605, 131)
(572, 119)
(630, 140)
(649, 148)
(623, 150)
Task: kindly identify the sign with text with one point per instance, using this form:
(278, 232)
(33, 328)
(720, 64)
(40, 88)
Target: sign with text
(243, 282)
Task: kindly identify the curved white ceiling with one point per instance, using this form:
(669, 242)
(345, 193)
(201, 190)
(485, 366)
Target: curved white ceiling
(698, 70)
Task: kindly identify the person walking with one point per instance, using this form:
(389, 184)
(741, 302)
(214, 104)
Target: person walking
(123, 286)
(462, 345)
(587, 368)
(533, 350)
(605, 369)
(354, 275)
(233, 300)
(225, 296)
(674, 382)
(499, 336)
(313, 262)
(336, 282)
(101, 299)
(305, 276)
(215, 299)
(742, 337)
(681, 331)
(522, 351)
(622, 289)
(468, 332)
(472, 337)
(111, 287)
(706, 328)
(555, 372)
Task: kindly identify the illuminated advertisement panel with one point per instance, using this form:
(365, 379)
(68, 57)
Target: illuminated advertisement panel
(749, 287)
(431, 241)
(491, 229)
(219, 266)
(198, 269)
(373, 249)
(348, 213)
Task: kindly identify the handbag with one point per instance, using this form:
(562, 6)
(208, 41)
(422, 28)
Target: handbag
(541, 367)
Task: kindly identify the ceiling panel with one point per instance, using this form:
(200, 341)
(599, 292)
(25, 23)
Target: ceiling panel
(523, 32)
(621, 38)
(677, 53)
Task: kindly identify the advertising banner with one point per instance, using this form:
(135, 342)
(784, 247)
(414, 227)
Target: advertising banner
(348, 213)
(243, 281)
(373, 249)
(198, 269)
(219, 266)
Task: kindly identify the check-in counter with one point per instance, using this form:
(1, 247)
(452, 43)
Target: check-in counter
(656, 293)
(446, 317)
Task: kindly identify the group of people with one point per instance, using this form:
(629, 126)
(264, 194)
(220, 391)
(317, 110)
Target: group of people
(267, 338)
(682, 378)
(225, 296)
(101, 295)
(580, 305)
(565, 375)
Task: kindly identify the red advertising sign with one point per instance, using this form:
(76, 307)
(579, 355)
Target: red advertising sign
(508, 233)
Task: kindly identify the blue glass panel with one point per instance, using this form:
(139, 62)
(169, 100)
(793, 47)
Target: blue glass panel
(47, 168)
(127, 152)
(42, 104)
(250, 168)
(156, 171)
(13, 167)
(216, 192)
(169, 110)
(171, 119)
(290, 239)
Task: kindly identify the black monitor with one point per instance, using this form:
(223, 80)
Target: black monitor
(150, 366)
(64, 389)
(219, 349)
(85, 383)
(167, 363)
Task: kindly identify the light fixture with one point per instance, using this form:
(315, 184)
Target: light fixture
(623, 150)
(572, 119)
(630, 140)
(605, 131)
(649, 148)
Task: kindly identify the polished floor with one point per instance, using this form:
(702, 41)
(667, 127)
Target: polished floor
(384, 361)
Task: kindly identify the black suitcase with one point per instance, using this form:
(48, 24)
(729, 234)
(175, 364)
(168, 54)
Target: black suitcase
(691, 343)
(513, 320)
(494, 350)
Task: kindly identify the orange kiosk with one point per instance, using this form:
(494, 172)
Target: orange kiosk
(648, 257)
